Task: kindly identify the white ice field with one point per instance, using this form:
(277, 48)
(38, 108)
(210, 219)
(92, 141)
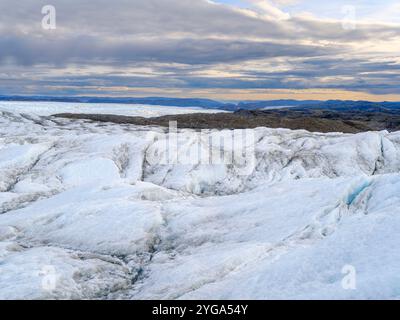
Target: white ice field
(87, 212)
(49, 108)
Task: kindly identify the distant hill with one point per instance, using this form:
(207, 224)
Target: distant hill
(253, 105)
(343, 105)
(161, 101)
(335, 105)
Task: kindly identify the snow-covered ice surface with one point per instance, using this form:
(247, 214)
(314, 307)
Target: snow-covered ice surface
(86, 212)
(49, 108)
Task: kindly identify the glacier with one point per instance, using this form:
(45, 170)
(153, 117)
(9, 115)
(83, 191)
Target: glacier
(48, 108)
(88, 212)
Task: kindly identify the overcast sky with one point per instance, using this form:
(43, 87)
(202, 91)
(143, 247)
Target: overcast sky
(227, 49)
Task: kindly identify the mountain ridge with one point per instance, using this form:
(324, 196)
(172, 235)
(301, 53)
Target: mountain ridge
(220, 105)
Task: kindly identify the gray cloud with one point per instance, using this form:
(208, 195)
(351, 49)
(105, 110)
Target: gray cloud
(198, 35)
(92, 50)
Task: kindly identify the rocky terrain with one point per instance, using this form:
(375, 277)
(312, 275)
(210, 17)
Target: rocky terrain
(314, 120)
